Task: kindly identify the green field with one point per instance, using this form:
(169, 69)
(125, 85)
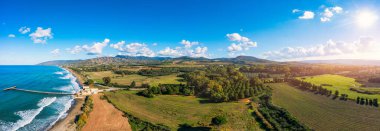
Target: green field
(340, 83)
(127, 79)
(172, 110)
(322, 113)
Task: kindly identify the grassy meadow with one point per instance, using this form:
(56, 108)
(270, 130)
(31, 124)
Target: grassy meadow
(139, 79)
(322, 113)
(341, 84)
(172, 110)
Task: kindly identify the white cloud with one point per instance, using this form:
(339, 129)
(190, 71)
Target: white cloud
(77, 49)
(171, 52)
(295, 10)
(307, 15)
(330, 48)
(187, 50)
(188, 44)
(154, 44)
(95, 49)
(325, 19)
(337, 9)
(41, 35)
(243, 43)
(11, 36)
(199, 52)
(234, 47)
(55, 52)
(329, 12)
(24, 30)
(134, 49)
(118, 45)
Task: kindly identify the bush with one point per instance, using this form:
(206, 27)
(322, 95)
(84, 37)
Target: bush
(219, 120)
(87, 108)
(106, 80)
(146, 93)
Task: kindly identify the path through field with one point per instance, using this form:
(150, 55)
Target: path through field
(105, 117)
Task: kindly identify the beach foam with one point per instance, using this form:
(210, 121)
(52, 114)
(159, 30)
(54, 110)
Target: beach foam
(58, 73)
(27, 116)
(67, 76)
(73, 80)
(62, 111)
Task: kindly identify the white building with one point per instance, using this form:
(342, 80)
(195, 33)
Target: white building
(88, 91)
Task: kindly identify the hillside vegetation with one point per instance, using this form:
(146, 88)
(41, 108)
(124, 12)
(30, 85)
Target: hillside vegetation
(321, 113)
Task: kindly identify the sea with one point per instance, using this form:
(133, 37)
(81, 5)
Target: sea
(25, 111)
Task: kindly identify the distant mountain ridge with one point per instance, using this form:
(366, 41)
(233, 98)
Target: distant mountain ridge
(345, 62)
(60, 62)
(245, 58)
(138, 60)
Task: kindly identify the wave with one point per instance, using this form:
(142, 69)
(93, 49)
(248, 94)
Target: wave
(27, 116)
(73, 82)
(62, 111)
(67, 76)
(58, 73)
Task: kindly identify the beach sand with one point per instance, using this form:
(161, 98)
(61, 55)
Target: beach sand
(68, 123)
(105, 117)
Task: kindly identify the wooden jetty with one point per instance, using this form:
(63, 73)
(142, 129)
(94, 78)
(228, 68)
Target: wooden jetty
(40, 92)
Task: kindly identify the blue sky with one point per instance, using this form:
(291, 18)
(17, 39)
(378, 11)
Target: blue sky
(278, 30)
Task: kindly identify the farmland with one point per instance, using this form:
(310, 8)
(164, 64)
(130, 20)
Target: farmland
(139, 79)
(341, 84)
(172, 110)
(322, 113)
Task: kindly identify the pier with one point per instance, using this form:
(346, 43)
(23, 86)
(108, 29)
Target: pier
(40, 92)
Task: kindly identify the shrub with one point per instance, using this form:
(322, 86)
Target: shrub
(87, 108)
(106, 80)
(219, 120)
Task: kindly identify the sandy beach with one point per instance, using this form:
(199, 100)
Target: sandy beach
(68, 123)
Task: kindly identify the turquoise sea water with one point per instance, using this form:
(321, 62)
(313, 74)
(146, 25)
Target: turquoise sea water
(30, 111)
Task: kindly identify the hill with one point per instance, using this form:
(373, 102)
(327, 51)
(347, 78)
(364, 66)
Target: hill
(60, 62)
(142, 60)
(248, 59)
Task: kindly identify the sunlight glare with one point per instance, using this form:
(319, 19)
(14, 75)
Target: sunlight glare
(366, 19)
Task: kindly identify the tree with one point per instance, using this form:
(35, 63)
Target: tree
(374, 102)
(358, 100)
(145, 85)
(336, 93)
(90, 82)
(362, 101)
(106, 80)
(133, 84)
(219, 120)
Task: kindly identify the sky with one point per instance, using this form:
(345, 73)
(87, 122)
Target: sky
(34, 31)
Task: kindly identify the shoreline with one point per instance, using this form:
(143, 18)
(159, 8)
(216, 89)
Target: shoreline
(67, 123)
